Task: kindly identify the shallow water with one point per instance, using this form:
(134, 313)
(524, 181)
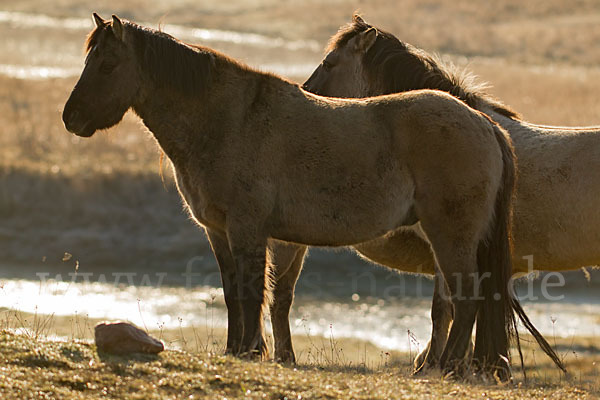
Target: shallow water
(400, 324)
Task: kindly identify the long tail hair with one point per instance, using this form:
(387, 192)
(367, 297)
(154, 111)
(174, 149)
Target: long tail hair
(496, 323)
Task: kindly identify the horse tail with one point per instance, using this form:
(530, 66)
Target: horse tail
(495, 317)
(496, 323)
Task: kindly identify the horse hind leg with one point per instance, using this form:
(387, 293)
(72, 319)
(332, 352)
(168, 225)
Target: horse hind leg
(461, 288)
(286, 261)
(456, 246)
(441, 318)
(455, 242)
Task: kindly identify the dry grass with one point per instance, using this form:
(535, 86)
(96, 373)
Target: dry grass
(581, 355)
(69, 367)
(36, 368)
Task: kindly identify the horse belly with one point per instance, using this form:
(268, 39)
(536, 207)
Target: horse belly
(556, 236)
(339, 216)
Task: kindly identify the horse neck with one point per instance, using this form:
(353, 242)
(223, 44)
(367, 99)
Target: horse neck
(181, 123)
(163, 112)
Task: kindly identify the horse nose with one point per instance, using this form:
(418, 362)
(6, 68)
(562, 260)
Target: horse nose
(69, 115)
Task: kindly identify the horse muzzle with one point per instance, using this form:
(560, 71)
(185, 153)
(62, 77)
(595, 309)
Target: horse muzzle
(76, 123)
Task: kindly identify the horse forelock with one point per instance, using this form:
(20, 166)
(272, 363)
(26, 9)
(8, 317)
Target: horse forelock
(93, 37)
(394, 66)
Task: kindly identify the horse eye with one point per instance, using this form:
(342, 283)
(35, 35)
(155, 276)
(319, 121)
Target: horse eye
(107, 67)
(327, 65)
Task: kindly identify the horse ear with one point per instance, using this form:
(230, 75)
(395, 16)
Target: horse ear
(357, 19)
(365, 40)
(98, 20)
(117, 27)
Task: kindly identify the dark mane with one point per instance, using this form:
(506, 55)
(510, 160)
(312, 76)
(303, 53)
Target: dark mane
(396, 66)
(164, 58)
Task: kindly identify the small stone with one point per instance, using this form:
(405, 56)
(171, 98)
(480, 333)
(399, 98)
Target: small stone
(124, 338)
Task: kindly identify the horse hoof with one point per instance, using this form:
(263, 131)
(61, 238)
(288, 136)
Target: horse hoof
(424, 367)
(502, 375)
(419, 363)
(498, 370)
(253, 355)
(502, 371)
(286, 358)
(230, 352)
(424, 362)
(454, 370)
(259, 352)
(419, 370)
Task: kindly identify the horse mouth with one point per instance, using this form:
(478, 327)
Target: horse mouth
(86, 131)
(80, 128)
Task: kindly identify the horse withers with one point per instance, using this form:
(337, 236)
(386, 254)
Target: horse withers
(260, 161)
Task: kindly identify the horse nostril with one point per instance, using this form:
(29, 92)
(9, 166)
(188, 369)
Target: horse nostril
(69, 116)
(73, 115)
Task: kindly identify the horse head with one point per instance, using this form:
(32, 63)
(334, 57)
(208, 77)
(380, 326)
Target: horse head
(342, 72)
(109, 81)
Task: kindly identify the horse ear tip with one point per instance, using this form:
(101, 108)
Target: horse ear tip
(97, 19)
(356, 17)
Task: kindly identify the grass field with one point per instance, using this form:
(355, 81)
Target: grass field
(192, 365)
(104, 200)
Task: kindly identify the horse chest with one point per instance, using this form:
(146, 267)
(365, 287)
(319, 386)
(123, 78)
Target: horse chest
(198, 202)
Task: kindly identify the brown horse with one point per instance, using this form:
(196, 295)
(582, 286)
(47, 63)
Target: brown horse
(556, 220)
(259, 161)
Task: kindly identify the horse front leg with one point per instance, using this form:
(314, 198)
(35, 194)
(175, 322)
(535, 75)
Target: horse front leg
(235, 328)
(286, 261)
(249, 254)
(441, 317)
